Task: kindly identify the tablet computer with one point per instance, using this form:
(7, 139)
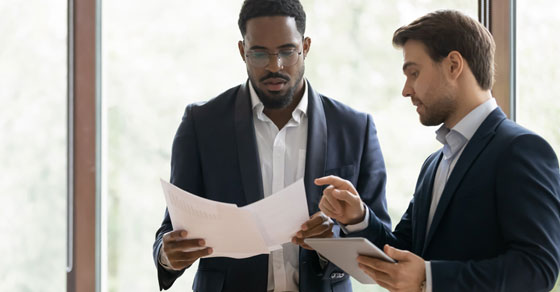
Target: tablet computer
(344, 251)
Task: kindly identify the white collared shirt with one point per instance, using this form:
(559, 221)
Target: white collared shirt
(282, 157)
(455, 141)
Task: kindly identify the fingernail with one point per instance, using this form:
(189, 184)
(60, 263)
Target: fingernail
(201, 242)
(183, 233)
(210, 250)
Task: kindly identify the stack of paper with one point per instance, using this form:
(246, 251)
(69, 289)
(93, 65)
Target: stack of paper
(239, 232)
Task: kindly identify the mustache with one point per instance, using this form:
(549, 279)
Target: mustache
(275, 75)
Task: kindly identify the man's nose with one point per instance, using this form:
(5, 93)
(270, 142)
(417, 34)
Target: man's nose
(274, 64)
(407, 90)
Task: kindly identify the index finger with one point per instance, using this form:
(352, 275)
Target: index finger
(335, 181)
(174, 235)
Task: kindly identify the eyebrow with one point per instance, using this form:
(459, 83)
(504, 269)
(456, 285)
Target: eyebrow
(285, 46)
(407, 64)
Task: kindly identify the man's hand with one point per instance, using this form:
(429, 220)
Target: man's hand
(340, 200)
(178, 252)
(405, 275)
(319, 226)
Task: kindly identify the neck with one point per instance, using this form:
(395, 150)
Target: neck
(467, 102)
(280, 117)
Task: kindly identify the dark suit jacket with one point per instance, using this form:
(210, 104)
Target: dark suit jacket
(497, 224)
(215, 156)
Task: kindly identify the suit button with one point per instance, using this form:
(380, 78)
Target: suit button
(337, 275)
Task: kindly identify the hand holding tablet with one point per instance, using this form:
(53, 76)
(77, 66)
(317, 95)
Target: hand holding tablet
(344, 251)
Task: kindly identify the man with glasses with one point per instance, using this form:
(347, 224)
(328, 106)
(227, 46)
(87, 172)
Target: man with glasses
(257, 138)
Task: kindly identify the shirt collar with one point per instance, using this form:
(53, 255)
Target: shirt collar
(299, 112)
(455, 138)
(470, 123)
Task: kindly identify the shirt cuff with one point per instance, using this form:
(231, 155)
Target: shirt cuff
(163, 261)
(358, 226)
(428, 277)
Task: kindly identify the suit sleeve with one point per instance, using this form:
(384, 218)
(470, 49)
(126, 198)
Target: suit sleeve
(186, 174)
(527, 192)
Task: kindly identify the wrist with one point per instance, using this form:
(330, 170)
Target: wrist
(359, 218)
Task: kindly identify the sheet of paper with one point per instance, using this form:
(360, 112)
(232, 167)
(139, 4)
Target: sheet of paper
(229, 230)
(281, 215)
(239, 232)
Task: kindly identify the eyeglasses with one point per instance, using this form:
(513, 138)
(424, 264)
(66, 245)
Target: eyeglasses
(262, 59)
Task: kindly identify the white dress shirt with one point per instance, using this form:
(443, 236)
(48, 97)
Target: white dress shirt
(454, 141)
(282, 156)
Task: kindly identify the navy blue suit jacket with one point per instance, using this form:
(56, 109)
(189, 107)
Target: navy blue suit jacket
(215, 156)
(497, 224)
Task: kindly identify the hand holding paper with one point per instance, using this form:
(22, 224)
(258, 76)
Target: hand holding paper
(319, 226)
(175, 246)
(238, 232)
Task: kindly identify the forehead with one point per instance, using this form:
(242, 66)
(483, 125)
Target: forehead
(272, 31)
(415, 52)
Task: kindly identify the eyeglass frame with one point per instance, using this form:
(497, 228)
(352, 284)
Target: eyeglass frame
(278, 57)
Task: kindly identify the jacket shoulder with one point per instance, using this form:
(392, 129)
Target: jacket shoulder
(341, 113)
(216, 105)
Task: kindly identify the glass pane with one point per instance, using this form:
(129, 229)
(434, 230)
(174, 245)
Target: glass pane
(538, 106)
(33, 145)
(159, 58)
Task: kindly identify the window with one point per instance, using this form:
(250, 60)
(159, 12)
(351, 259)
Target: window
(538, 107)
(159, 58)
(33, 76)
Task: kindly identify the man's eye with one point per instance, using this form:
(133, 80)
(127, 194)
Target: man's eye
(286, 53)
(259, 55)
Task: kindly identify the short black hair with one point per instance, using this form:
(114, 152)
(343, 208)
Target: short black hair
(258, 8)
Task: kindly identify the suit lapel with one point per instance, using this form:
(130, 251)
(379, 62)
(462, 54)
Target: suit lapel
(316, 153)
(247, 146)
(422, 201)
(478, 142)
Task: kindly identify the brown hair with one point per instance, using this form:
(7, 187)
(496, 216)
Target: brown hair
(444, 31)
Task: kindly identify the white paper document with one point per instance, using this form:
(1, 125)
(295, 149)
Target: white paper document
(236, 232)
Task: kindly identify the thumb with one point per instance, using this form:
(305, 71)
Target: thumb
(396, 254)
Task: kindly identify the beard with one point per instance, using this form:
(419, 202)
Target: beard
(441, 109)
(276, 100)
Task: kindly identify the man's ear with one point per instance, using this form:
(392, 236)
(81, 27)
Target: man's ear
(306, 46)
(241, 50)
(455, 64)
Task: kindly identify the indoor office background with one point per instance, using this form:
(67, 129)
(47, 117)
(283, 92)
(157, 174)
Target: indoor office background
(153, 58)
